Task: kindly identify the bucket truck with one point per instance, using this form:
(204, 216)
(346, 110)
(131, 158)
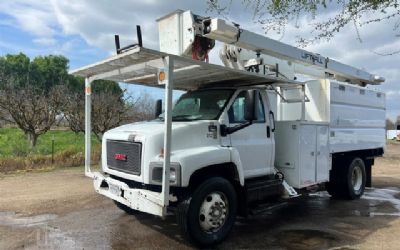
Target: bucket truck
(246, 137)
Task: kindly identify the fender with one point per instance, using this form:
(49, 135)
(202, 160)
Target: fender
(235, 158)
(197, 158)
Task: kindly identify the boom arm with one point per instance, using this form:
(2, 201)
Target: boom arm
(218, 29)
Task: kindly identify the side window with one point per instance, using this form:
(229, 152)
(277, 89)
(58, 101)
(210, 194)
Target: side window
(237, 110)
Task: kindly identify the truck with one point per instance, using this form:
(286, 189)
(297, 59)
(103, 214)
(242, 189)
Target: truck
(246, 137)
(393, 134)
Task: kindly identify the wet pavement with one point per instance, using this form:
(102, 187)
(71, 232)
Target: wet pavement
(316, 222)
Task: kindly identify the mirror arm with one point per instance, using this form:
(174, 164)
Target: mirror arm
(225, 130)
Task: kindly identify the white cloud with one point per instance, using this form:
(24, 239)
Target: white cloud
(98, 21)
(35, 17)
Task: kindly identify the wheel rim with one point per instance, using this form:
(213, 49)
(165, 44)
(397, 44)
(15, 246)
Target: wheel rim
(356, 178)
(213, 212)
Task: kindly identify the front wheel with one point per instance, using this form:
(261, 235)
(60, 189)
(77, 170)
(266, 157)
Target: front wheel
(208, 215)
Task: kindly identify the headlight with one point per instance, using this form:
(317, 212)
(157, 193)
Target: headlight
(156, 173)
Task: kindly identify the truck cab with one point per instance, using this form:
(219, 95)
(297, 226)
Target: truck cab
(209, 127)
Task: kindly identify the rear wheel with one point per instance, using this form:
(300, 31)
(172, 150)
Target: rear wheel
(356, 178)
(347, 179)
(207, 217)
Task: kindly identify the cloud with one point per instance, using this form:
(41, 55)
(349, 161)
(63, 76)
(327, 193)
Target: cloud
(98, 21)
(35, 17)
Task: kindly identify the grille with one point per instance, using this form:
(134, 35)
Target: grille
(130, 154)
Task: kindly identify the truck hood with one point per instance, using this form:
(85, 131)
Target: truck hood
(184, 134)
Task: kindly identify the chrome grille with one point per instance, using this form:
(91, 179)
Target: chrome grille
(124, 156)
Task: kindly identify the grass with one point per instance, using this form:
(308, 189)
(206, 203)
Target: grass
(16, 154)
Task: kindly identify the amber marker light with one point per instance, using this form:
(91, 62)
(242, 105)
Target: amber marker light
(161, 76)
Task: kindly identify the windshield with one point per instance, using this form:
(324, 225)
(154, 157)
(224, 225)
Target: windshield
(201, 105)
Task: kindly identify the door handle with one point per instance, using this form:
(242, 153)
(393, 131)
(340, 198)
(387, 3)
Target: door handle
(312, 153)
(268, 132)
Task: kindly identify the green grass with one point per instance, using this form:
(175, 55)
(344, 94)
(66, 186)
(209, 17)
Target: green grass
(14, 143)
(16, 154)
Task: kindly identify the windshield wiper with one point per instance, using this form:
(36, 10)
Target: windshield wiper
(183, 118)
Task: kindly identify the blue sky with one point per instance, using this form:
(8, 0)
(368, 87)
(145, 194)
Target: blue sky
(83, 30)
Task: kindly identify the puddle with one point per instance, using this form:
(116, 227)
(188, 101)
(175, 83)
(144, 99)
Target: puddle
(14, 220)
(40, 234)
(307, 239)
(383, 195)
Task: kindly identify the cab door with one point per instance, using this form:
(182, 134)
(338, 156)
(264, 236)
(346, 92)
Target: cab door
(255, 142)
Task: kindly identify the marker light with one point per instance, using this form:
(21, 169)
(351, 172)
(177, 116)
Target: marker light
(161, 76)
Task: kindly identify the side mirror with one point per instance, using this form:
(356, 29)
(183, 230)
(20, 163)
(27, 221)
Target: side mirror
(158, 109)
(249, 103)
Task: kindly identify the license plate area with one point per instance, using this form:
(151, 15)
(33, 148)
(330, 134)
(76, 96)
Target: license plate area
(115, 190)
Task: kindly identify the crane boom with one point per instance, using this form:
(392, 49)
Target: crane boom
(218, 29)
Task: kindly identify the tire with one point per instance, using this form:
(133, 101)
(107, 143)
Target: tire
(126, 209)
(355, 179)
(336, 176)
(208, 215)
(347, 179)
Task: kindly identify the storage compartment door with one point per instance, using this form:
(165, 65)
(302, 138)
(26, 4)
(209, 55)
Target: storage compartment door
(323, 158)
(308, 141)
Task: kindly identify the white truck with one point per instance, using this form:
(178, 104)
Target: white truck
(245, 137)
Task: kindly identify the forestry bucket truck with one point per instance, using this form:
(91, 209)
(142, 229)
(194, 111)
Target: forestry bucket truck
(245, 137)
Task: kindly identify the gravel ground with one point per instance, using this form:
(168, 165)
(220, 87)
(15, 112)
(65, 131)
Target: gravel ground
(60, 210)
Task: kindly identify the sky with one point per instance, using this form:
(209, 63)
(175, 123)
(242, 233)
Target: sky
(83, 31)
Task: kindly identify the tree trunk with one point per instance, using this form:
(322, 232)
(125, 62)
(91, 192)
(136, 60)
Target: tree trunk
(33, 138)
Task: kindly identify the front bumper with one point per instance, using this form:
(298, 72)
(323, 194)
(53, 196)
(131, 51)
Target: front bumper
(139, 199)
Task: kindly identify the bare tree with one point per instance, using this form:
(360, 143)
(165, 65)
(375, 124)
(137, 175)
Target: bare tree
(389, 124)
(274, 15)
(398, 121)
(109, 109)
(32, 110)
(140, 108)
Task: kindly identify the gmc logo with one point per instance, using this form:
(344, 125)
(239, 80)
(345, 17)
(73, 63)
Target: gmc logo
(120, 157)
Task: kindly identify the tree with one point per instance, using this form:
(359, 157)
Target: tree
(140, 108)
(274, 15)
(111, 106)
(108, 106)
(389, 124)
(33, 111)
(31, 92)
(398, 121)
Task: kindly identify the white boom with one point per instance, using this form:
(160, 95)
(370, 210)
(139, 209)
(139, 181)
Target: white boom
(301, 61)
